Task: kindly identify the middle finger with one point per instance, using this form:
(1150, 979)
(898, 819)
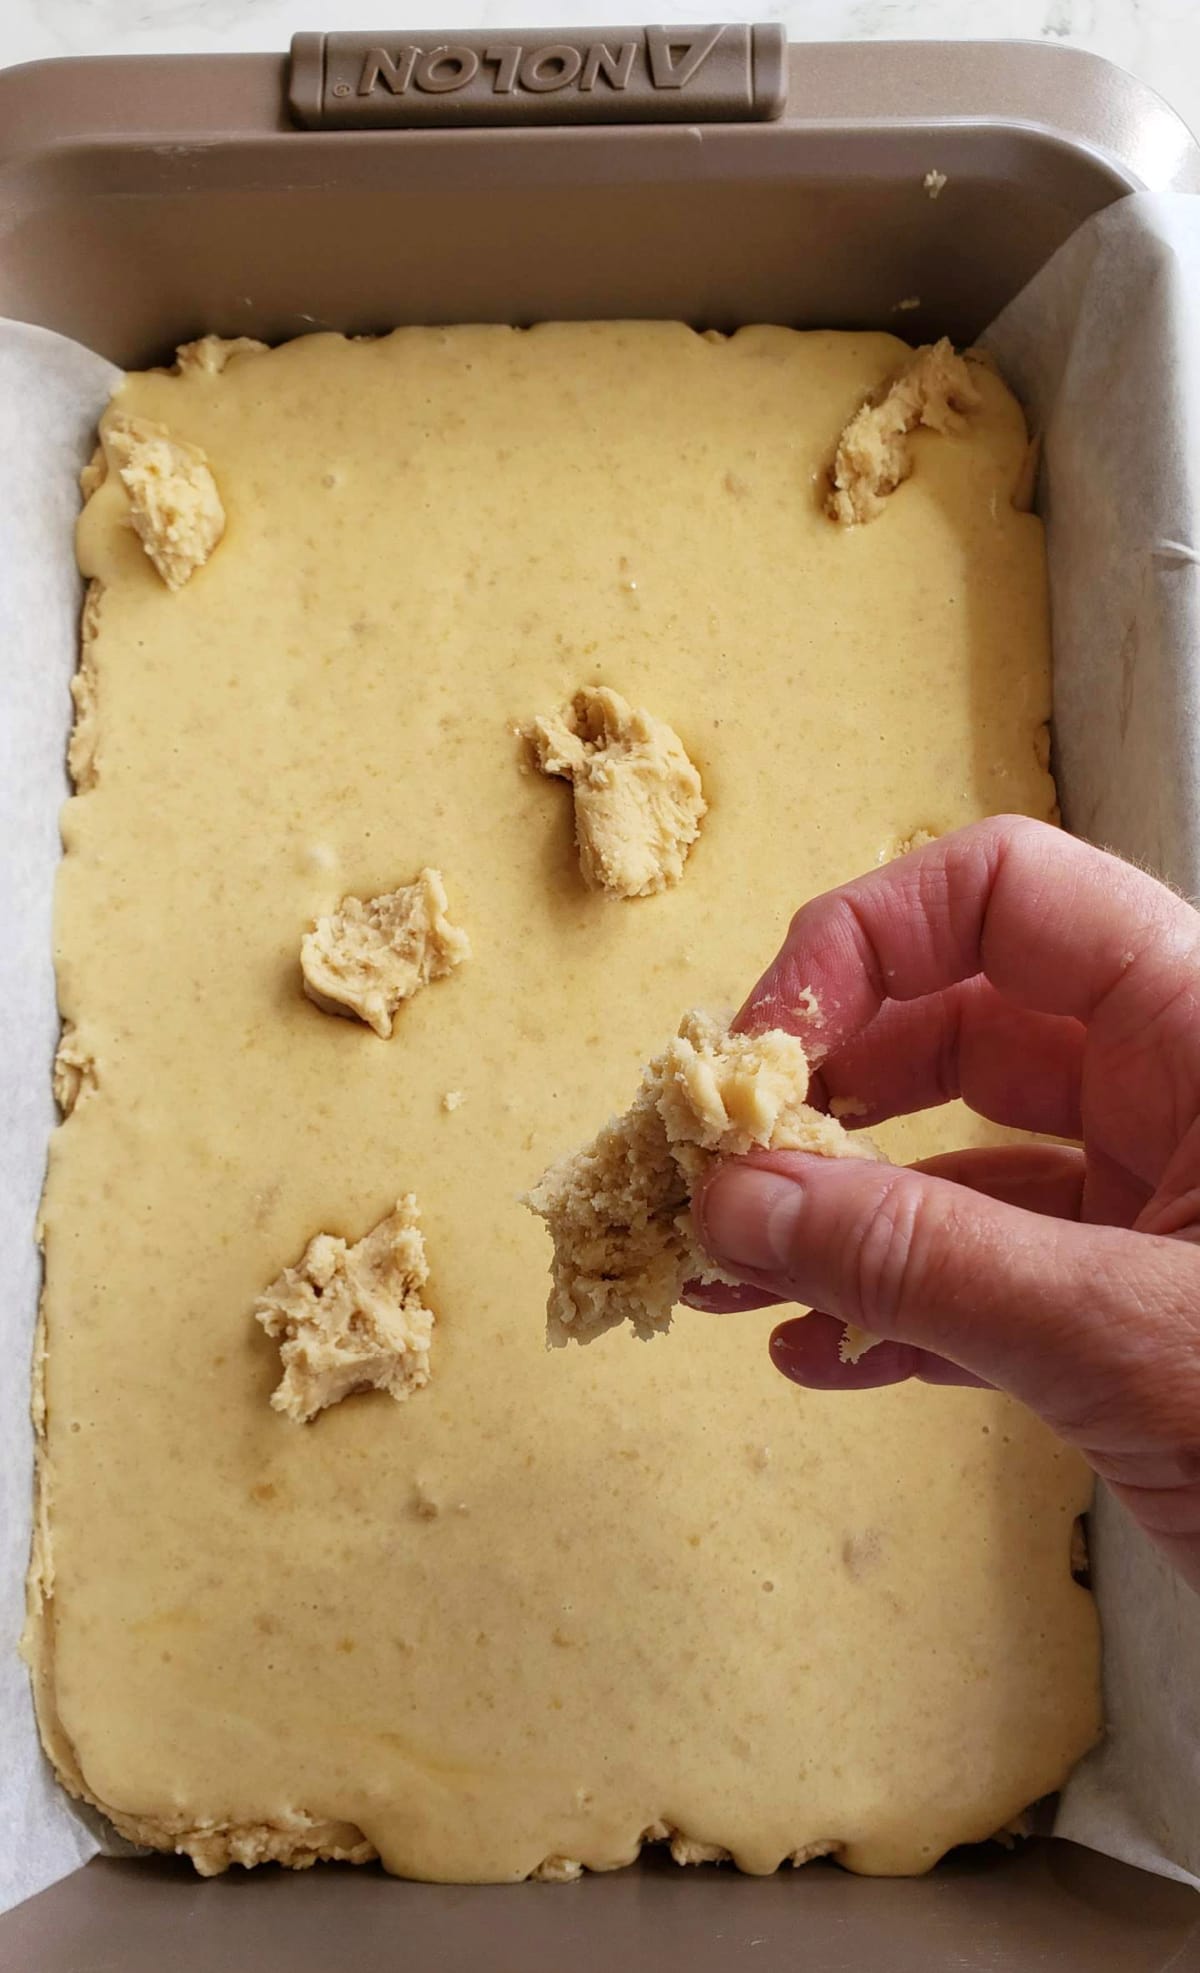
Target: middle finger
(1008, 1063)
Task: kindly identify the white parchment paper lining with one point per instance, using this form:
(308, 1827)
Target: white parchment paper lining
(1104, 349)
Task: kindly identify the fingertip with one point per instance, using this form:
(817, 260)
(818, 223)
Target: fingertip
(808, 1350)
(786, 1350)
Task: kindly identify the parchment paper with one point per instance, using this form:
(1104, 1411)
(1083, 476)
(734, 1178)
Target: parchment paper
(1104, 349)
(51, 392)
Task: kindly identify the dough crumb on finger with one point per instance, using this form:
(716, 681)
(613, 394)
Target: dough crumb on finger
(855, 1343)
(847, 1106)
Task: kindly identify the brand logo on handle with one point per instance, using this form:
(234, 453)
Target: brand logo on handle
(597, 75)
(665, 59)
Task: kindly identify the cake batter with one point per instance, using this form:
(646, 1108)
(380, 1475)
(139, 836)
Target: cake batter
(555, 1601)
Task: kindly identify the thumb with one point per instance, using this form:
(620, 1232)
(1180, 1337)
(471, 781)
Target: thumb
(1089, 1325)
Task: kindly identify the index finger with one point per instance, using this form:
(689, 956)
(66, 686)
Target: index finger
(1054, 924)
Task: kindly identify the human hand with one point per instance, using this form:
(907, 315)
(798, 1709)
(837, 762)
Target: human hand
(1054, 988)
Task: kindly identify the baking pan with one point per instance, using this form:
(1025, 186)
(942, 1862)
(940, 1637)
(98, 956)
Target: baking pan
(142, 200)
(147, 201)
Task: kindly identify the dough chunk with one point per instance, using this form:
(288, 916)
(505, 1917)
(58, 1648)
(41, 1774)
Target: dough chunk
(558, 1870)
(809, 1852)
(209, 354)
(74, 1075)
(897, 846)
(367, 958)
(291, 1838)
(351, 1318)
(618, 1211)
(83, 747)
(687, 1850)
(873, 454)
(174, 504)
(93, 475)
(638, 801)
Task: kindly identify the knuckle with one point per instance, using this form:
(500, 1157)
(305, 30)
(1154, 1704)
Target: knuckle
(1127, 1383)
(892, 1251)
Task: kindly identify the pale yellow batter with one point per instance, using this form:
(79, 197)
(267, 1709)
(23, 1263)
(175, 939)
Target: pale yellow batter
(555, 1600)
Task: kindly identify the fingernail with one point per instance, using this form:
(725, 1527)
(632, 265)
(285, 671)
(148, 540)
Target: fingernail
(747, 1217)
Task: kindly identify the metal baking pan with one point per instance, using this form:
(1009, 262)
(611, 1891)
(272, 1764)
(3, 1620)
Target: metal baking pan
(147, 201)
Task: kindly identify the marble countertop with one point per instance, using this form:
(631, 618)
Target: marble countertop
(1158, 40)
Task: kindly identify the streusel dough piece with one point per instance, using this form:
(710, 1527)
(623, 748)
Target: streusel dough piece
(83, 746)
(638, 800)
(351, 1318)
(174, 506)
(618, 1211)
(74, 1075)
(873, 455)
(208, 356)
(367, 958)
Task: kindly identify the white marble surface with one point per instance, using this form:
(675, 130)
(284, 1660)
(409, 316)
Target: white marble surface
(1159, 40)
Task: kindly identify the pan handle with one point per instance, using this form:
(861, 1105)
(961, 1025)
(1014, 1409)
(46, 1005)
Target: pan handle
(438, 80)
